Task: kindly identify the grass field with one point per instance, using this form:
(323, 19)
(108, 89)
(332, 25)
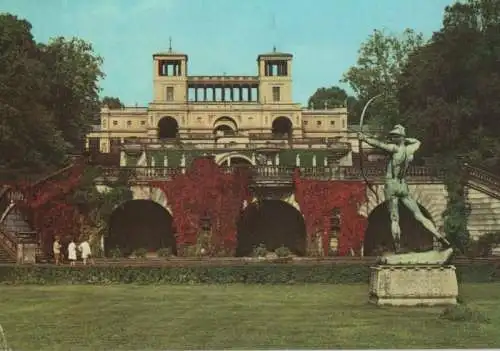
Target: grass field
(131, 317)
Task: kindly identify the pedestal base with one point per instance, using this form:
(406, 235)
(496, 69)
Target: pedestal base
(422, 285)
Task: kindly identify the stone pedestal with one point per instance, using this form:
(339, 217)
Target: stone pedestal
(412, 285)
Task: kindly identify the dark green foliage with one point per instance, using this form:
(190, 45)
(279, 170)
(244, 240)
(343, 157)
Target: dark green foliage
(164, 252)
(483, 247)
(48, 98)
(259, 251)
(112, 102)
(380, 61)
(251, 273)
(448, 91)
(116, 253)
(282, 251)
(457, 209)
(140, 253)
(97, 207)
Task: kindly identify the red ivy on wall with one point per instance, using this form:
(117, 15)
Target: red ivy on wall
(206, 190)
(46, 206)
(318, 199)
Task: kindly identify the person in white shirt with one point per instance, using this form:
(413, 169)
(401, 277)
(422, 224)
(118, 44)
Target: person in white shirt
(84, 248)
(56, 248)
(72, 252)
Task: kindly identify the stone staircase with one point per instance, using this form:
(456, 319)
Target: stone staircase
(14, 228)
(483, 195)
(5, 256)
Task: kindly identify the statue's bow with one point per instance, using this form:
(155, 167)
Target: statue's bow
(361, 156)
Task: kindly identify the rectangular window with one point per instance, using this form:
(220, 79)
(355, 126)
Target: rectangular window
(170, 93)
(276, 94)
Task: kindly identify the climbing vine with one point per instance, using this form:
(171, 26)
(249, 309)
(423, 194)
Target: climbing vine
(71, 204)
(96, 207)
(205, 191)
(319, 198)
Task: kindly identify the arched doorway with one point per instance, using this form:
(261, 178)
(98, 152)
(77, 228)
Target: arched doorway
(237, 161)
(225, 126)
(138, 224)
(282, 127)
(168, 128)
(378, 237)
(273, 223)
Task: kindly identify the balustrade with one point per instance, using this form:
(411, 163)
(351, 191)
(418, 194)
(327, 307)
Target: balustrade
(271, 171)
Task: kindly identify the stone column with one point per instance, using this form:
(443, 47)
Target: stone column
(232, 92)
(195, 93)
(204, 93)
(249, 93)
(223, 93)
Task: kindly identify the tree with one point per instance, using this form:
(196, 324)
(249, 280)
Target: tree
(449, 91)
(328, 97)
(332, 97)
(48, 98)
(112, 102)
(29, 137)
(380, 61)
(74, 91)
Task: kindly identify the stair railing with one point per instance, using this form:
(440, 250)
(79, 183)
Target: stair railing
(9, 242)
(483, 177)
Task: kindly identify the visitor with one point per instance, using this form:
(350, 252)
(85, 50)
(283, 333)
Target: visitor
(85, 250)
(72, 252)
(56, 249)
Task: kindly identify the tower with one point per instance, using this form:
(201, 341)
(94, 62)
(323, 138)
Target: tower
(170, 77)
(275, 77)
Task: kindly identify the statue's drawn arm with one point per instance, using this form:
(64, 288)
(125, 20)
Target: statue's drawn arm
(379, 144)
(412, 145)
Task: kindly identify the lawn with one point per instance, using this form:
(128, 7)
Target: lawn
(131, 317)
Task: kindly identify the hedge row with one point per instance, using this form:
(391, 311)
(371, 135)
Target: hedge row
(246, 274)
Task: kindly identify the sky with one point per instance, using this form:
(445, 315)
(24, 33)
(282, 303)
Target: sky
(224, 36)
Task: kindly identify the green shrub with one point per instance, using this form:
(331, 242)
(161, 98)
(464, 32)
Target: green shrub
(140, 253)
(463, 313)
(483, 247)
(241, 272)
(282, 252)
(116, 253)
(164, 252)
(191, 251)
(259, 251)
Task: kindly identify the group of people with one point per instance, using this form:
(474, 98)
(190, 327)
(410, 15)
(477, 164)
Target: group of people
(72, 248)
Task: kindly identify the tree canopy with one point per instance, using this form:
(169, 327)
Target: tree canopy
(48, 97)
(449, 89)
(335, 96)
(380, 62)
(112, 102)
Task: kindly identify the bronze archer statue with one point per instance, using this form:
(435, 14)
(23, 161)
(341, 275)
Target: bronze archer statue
(401, 150)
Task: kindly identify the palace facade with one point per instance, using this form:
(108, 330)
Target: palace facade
(235, 118)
